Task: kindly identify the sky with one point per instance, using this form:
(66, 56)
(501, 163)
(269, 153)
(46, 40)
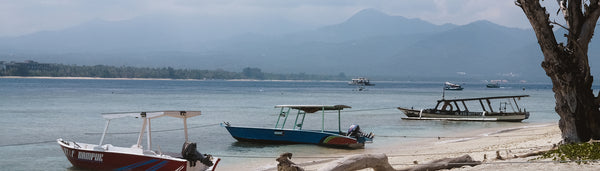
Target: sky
(21, 17)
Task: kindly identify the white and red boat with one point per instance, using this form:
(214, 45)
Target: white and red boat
(108, 157)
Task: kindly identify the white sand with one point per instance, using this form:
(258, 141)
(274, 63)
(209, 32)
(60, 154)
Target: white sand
(508, 141)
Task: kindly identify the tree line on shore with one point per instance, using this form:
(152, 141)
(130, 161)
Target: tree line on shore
(30, 68)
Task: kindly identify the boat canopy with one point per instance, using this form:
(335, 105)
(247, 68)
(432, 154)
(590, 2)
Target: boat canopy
(314, 108)
(151, 114)
(450, 104)
(483, 98)
(147, 116)
(451, 84)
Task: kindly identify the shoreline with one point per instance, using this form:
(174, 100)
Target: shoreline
(481, 145)
(86, 78)
(165, 79)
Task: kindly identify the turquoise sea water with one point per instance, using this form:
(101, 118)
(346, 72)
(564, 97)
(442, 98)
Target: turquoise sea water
(35, 112)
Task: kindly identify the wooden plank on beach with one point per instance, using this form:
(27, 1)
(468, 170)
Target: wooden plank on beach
(451, 119)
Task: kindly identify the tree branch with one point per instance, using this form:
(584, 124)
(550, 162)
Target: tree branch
(575, 16)
(540, 21)
(558, 24)
(562, 6)
(588, 26)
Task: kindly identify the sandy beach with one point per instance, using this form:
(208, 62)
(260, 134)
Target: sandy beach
(481, 145)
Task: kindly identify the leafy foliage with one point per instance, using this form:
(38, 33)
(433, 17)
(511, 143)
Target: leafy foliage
(102, 71)
(580, 153)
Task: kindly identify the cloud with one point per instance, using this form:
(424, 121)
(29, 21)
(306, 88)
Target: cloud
(28, 16)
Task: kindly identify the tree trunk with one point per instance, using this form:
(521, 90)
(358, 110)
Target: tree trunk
(567, 66)
(575, 101)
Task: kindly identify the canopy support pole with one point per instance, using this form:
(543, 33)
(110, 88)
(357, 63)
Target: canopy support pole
(279, 118)
(104, 133)
(185, 131)
(515, 100)
(323, 119)
(139, 141)
(149, 135)
(302, 123)
(339, 121)
(490, 105)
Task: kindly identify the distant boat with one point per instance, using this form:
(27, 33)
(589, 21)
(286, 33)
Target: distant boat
(361, 81)
(493, 85)
(456, 109)
(295, 134)
(451, 86)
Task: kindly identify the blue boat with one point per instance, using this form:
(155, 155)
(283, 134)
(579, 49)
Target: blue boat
(354, 138)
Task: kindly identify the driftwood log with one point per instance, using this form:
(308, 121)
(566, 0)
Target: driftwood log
(378, 162)
(446, 163)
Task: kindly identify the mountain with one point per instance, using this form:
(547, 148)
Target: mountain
(481, 48)
(369, 23)
(369, 43)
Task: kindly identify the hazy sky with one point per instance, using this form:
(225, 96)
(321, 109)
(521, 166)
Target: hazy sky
(19, 17)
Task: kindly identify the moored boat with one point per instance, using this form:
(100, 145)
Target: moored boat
(295, 134)
(452, 86)
(108, 157)
(493, 85)
(457, 109)
(360, 81)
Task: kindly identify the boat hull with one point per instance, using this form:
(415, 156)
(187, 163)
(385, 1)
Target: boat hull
(288, 136)
(429, 114)
(89, 158)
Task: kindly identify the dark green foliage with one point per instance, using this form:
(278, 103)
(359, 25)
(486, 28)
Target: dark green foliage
(253, 73)
(580, 153)
(103, 71)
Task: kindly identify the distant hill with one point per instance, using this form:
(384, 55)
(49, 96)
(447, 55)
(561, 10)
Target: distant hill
(369, 43)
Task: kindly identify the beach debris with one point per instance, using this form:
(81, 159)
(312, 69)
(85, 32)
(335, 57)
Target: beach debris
(498, 156)
(446, 163)
(537, 153)
(378, 162)
(285, 164)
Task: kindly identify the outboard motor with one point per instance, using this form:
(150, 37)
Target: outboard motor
(191, 154)
(354, 131)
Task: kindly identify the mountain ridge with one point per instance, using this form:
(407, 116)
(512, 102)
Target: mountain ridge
(369, 43)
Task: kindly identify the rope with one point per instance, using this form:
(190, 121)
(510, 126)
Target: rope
(389, 155)
(459, 152)
(508, 162)
(166, 130)
(440, 137)
(362, 110)
(249, 156)
(30, 143)
(96, 133)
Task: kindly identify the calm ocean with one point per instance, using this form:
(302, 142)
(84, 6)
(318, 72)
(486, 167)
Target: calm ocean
(35, 112)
